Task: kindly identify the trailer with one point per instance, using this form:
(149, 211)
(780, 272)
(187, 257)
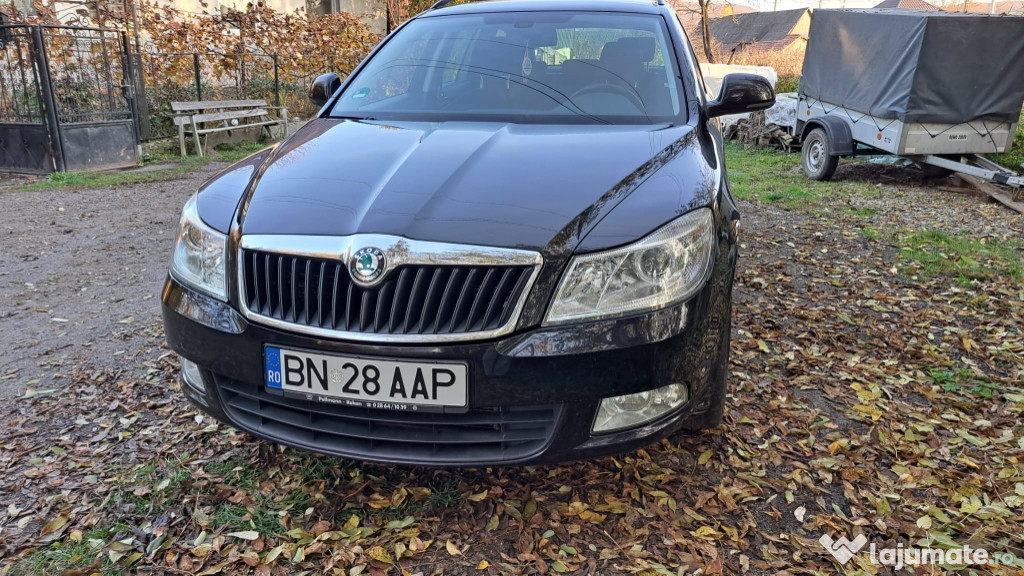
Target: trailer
(938, 88)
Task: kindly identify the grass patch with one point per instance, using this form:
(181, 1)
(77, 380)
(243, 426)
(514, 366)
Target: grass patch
(775, 177)
(265, 513)
(445, 495)
(149, 487)
(178, 167)
(870, 233)
(237, 472)
(235, 152)
(940, 254)
(862, 212)
(237, 517)
(326, 468)
(65, 555)
(963, 382)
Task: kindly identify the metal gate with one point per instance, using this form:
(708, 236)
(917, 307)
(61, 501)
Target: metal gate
(66, 99)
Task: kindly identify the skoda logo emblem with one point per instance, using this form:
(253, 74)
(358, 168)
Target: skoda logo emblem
(367, 265)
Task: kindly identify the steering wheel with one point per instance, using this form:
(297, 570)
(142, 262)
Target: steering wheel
(633, 98)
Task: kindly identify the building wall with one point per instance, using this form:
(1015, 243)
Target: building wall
(803, 26)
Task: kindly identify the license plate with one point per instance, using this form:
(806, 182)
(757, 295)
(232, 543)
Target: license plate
(366, 382)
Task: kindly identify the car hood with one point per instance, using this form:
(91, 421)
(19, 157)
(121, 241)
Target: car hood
(505, 185)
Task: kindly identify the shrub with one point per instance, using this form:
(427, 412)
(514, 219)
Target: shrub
(787, 84)
(236, 50)
(1015, 157)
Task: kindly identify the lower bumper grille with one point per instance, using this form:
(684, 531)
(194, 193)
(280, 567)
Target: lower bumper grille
(486, 435)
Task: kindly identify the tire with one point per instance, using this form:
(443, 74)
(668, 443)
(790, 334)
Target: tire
(712, 416)
(818, 161)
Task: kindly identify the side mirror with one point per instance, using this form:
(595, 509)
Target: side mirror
(742, 93)
(323, 86)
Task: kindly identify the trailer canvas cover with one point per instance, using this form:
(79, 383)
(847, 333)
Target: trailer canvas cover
(936, 67)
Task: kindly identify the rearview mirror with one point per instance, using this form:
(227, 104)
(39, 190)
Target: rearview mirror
(323, 86)
(742, 93)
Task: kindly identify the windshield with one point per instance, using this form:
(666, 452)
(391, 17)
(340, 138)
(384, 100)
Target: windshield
(522, 67)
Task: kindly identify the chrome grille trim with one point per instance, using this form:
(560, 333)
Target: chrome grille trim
(403, 255)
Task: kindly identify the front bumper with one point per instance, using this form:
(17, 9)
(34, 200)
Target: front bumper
(533, 395)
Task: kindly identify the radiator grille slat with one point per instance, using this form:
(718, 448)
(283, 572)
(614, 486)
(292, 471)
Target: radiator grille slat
(320, 296)
(334, 297)
(401, 293)
(413, 299)
(465, 300)
(429, 313)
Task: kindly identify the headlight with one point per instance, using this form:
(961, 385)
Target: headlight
(199, 254)
(665, 267)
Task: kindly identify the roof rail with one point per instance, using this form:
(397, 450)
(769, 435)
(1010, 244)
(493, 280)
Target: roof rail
(443, 3)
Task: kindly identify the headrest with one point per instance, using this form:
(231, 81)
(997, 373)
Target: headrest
(498, 56)
(614, 52)
(639, 47)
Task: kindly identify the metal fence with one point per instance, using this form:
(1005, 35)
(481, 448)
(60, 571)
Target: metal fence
(188, 76)
(19, 81)
(65, 91)
(66, 99)
(88, 74)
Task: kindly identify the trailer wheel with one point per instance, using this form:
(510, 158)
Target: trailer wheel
(819, 164)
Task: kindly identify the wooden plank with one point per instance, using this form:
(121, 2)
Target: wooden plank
(218, 116)
(1000, 195)
(216, 105)
(188, 128)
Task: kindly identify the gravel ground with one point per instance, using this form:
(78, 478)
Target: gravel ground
(80, 278)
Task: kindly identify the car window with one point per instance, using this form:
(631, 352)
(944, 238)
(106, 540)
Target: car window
(546, 67)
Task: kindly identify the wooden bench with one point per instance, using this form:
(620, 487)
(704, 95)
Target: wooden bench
(207, 117)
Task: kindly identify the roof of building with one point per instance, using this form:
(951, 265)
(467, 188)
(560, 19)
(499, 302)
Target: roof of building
(756, 27)
(906, 5)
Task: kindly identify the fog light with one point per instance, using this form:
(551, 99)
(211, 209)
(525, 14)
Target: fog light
(191, 375)
(635, 409)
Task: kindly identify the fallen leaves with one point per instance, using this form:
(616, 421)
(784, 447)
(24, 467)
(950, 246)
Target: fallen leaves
(862, 401)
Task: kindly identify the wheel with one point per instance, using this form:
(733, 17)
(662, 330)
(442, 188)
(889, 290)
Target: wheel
(818, 162)
(712, 416)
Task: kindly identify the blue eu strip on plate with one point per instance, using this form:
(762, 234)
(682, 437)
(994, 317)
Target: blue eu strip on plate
(273, 365)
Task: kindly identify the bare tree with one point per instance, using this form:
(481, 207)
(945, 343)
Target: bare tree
(696, 17)
(705, 29)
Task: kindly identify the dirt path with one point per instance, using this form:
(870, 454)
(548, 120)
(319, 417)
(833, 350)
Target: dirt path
(80, 278)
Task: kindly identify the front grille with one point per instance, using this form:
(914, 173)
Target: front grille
(413, 299)
(491, 435)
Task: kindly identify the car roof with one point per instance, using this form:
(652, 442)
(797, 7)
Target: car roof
(487, 6)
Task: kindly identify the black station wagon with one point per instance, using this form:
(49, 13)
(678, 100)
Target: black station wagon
(506, 238)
